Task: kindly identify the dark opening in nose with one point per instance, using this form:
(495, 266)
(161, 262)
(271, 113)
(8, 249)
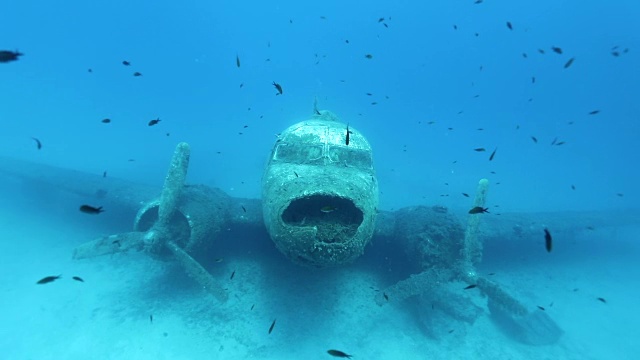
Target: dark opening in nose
(337, 219)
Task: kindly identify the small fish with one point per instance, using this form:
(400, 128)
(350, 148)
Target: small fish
(219, 260)
(556, 50)
(381, 19)
(104, 174)
(151, 318)
(8, 56)
(509, 25)
(619, 194)
(105, 121)
(533, 79)
(386, 297)
(478, 2)
(154, 122)
(470, 287)
(243, 208)
(547, 240)
(347, 137)
(602, 300)
(568, 63)
(137, 74)
(554, 141)
(48, 279)
(89, 70)
(237, 61)
(479, 149)
(368, 56)
(451, 331)
(465, 194)
(540, 307)
(479, 210)
(296, 174)
(88, 209)
(534, 139)
(272, 325)
(125, 63)
(38, 143)
(278, 87)
(573, 187)
(493, 154)
(252, 306)
(232, 275)
(594, 112)
(77, 278)
(541, 51)
(328, 208)
(338, 353)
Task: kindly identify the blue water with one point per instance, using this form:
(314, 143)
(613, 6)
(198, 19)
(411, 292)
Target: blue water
(439, 72)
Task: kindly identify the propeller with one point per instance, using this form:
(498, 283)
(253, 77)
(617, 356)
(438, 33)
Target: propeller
(160, 236)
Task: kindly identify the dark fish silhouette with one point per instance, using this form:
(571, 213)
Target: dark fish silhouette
(125, 63)
(348, 135)
(8, 56)
(547, 240)
(154, 122)
(38, 143)
(479, 149)
(272, 325)
(534, 139)
(465, 194)
(338, 353)
(232, 275)
(278, 87)
(493, 154)
(88, 209)
(48, 279)
(540, 307)
(369, 56)
(479, 210)
(237, 61)
(77, 278)
(594, 112)
(509, 25)
(106, 121)
(137, 74)
(556, 50)
(471, 286)
(602, 300)
(569, 62)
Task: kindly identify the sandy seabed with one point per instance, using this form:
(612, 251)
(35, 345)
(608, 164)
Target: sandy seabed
(134, 306)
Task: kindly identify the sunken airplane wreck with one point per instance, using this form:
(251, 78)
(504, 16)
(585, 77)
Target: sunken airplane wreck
(320, 207)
